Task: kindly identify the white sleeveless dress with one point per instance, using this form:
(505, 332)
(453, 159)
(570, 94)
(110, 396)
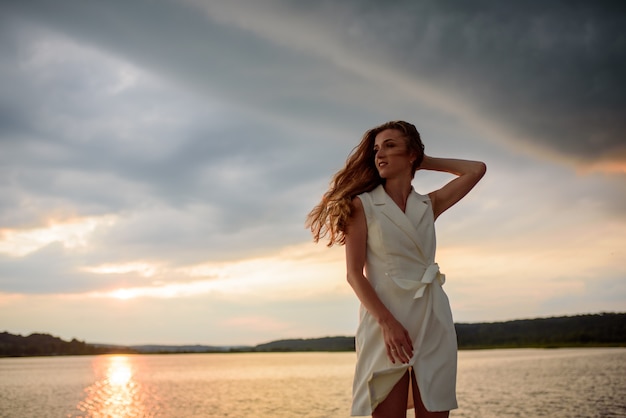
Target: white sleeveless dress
(401, 267)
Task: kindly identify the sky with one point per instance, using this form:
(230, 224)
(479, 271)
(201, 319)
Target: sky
(158, 159)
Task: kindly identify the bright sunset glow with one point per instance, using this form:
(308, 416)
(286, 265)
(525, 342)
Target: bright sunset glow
(124, 294)
(293, 273)
(141, 268)
(608, 167)
(72, 234)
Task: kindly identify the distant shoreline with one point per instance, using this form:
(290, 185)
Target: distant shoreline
(580, 331)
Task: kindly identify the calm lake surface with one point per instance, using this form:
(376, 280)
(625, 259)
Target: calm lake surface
(492, 383)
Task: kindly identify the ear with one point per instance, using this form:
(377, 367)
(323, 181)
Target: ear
(413, 161)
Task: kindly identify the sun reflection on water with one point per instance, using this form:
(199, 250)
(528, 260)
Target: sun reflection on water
(117, 392)
(119, 372)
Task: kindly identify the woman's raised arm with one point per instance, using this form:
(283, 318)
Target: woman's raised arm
(469, 173)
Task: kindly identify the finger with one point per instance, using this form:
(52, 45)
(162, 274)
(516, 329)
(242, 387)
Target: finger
(390, 354)
(399, 353)
(404, 355)
(409, 350)
(407, 336)
(409, 343)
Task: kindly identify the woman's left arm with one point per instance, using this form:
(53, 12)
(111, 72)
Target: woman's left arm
(469, 173)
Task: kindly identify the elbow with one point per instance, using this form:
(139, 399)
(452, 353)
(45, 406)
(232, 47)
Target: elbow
(480, 169)
(350, 279)
(353, 279)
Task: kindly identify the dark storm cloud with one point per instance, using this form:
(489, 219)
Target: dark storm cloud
(64, 122)
(188, 47)
(68, 142)
(551, 72)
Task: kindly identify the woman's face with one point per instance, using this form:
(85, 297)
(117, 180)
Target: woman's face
(392, 157)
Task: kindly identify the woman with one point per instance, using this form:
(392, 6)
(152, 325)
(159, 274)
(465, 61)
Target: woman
(405, 341)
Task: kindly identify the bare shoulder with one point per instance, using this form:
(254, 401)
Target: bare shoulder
(357, 204)
(357, 211)
(357, 220)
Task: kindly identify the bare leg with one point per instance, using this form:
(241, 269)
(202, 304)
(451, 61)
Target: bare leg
(394, 405)
(420, 409)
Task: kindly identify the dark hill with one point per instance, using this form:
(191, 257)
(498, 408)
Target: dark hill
(45, 345)
(607, 329)
(314, 344)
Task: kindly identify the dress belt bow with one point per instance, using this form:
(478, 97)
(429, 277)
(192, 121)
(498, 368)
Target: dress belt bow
(440, 305)
(429, 276)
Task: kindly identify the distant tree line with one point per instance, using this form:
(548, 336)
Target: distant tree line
(607, 329)
(313, 344)
(46, 345)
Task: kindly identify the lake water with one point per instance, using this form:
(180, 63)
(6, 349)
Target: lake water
(525, 383)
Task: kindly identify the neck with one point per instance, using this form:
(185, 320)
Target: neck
(399, 190)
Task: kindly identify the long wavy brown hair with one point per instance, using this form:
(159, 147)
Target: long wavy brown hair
(330, 216)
